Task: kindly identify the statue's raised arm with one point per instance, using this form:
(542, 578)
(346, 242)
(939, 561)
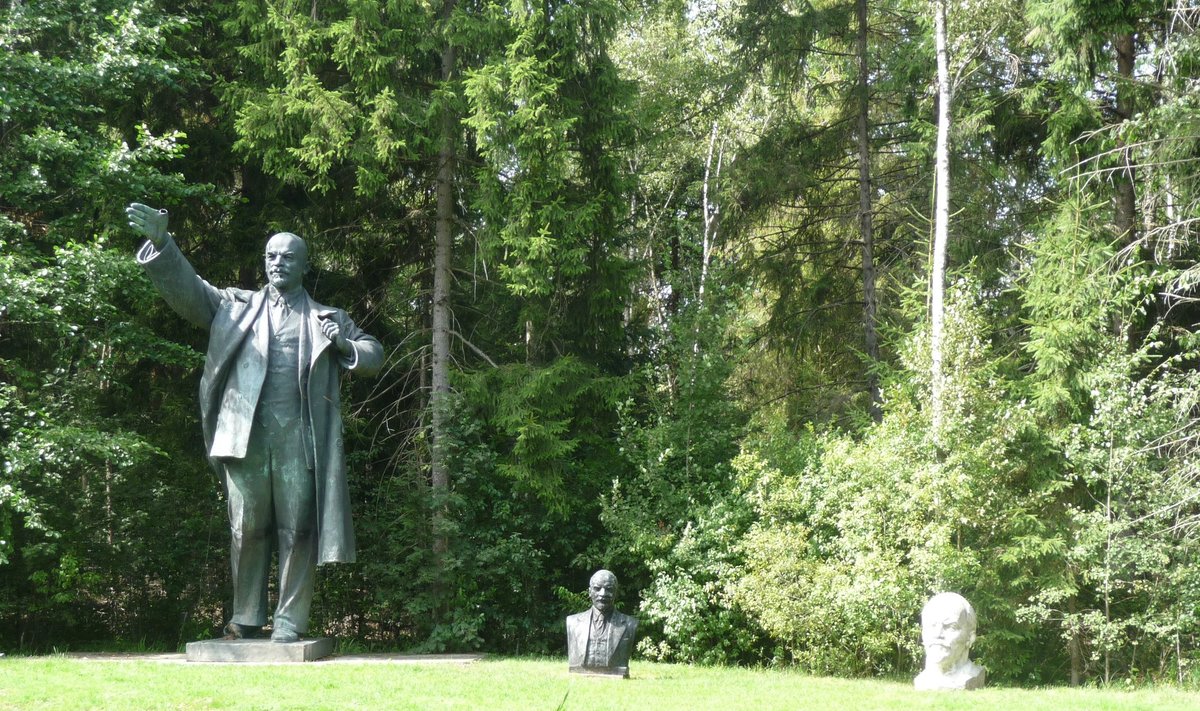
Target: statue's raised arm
(187, 294)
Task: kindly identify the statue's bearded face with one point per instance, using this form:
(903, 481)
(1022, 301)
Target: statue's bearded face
(286, 261)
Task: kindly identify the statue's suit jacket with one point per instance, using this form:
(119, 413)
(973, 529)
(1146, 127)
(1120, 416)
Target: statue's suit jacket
(621, 630)
(234, 370)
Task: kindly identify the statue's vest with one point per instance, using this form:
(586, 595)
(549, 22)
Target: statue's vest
(280, 396)
(281, 402)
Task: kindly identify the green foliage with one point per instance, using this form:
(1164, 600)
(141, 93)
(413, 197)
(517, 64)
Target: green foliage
(95, 540)
(74, 77)
(549, 425)
(1079, 32)
(675, 515)
(330, 96)
(550, 188)
(1131, 598)
(689, 598)
(81, 469)
(825, 561)
(1126, 484)
(854, 533)
(532, 456)
(1069, 298)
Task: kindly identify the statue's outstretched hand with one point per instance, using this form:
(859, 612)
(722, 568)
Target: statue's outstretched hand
(149, 221)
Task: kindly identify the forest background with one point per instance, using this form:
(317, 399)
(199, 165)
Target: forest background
(791, 313)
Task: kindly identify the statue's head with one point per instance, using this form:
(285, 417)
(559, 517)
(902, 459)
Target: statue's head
(602, 589)
(286, 261)
(947, 631)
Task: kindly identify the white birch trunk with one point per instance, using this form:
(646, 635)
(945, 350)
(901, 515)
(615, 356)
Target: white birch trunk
(941, 222)
(711, 214)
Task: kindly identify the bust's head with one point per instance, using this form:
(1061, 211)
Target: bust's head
(602, 589)
(947, 632)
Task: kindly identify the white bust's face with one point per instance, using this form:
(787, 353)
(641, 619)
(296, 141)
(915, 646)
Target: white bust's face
(947, 633)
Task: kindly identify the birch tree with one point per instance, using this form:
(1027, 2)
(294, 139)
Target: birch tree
(941, 219)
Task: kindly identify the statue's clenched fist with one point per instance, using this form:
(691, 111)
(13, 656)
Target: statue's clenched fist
(333, 331)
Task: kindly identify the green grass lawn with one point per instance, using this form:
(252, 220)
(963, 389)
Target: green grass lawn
(65, 683)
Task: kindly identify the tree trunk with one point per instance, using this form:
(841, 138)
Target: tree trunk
(941, 219)
(1126, 208)
(711, 219)
(865, 218)
(711, 209)
(676, 261)
(1075, 646)
(440, 377)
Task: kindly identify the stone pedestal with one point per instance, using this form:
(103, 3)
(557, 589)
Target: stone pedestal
(259, 650)
(617, 672)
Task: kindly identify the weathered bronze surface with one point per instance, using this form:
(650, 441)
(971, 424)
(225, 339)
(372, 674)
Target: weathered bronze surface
(271, 416)
(600, 640)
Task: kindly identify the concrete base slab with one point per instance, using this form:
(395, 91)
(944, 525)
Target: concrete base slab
(611, 672)
(363, 658)
(262, 651)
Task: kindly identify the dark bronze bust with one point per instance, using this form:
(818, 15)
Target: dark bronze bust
(600, 640)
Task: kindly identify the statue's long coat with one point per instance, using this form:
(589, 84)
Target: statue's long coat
(234, 369)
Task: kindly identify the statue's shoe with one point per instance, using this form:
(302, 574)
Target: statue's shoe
(283, 635)
(235, 631)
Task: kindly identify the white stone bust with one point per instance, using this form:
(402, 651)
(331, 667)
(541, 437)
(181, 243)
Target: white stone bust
(947, 632)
